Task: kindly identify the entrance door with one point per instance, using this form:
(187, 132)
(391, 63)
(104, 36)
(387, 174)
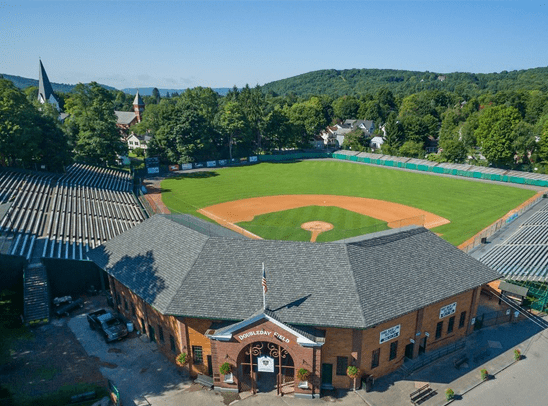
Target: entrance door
(209, 366)
(409, 349)
(327, 375)
(151, 333)
(422, 346)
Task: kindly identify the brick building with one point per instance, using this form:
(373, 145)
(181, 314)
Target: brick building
(368, 301)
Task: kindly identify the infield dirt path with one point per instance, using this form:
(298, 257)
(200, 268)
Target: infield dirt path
(246, 209)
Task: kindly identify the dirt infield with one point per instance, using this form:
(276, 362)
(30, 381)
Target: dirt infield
(246, 209)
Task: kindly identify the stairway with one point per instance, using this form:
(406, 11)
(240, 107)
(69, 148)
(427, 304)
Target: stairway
(36, 295)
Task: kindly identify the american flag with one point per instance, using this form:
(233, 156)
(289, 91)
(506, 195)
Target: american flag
(265, 289)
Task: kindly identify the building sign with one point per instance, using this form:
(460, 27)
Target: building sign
(389, 334)
(259, 333)
(447, 310)
(265, 364)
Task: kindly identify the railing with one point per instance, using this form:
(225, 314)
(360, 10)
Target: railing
(424, 360)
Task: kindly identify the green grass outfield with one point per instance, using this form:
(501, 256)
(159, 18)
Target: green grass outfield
(286, 225)
(469, 205)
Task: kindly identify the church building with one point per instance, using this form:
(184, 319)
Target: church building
(45, 90)
(126, 119)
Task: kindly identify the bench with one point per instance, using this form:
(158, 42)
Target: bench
(459, 361)
(421, 394)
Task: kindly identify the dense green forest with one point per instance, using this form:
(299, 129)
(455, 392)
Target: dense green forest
(359, 82)
(493, 119)
(22, 83)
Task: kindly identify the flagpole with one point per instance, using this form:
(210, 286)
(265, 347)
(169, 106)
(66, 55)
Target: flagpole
(263, 283)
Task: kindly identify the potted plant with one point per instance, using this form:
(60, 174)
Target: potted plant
(226, 370)
(484, 374)
(449, 394)
(182, 359)
(517, 354)
(302, 376)
(353, 373)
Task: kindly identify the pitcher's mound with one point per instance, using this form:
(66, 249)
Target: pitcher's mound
(316, 227)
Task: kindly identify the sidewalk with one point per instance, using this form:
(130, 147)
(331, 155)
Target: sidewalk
(491, 348)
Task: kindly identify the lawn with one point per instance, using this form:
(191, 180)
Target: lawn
(286, 225)
(469, 205)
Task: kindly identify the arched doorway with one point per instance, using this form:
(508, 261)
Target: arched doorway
(266, 367)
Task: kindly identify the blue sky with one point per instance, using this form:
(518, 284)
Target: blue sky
(179, 44)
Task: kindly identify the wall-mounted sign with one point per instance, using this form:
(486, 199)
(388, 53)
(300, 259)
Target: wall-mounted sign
(447, 310)
(389, 334)
(265, 364)
(473, 321)
(427, 334)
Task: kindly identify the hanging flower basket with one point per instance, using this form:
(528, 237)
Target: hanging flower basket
(484, 374)
(303, 374)
(449, 394)
(182, 359)
(517, 354)
(225, 368)
(352, 372)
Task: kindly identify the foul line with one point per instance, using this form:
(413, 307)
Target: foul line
(229, 225)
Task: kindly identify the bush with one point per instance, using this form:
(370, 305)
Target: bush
(303, 374)
(484, 374)
(517, 354)
(225, 368)
(449, 394)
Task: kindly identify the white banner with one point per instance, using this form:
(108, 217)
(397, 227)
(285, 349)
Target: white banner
(186, 166)
(390, 334)
(211, 164)
(252, 159)
(447, 310)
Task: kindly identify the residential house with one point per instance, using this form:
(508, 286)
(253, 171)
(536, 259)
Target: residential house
(138, 141)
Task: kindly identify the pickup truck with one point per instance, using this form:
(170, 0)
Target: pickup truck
(112, 326)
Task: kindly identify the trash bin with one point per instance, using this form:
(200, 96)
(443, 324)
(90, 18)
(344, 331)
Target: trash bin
(129, 327)
(367, 383)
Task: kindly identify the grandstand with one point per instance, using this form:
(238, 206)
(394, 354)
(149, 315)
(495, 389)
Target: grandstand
(61, 217)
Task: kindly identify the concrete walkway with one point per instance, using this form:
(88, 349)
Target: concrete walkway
(491, 348)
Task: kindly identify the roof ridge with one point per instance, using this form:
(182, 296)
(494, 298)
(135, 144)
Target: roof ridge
(354, 283)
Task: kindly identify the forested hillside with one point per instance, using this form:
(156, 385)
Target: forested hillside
(359, 82)
(22, 83)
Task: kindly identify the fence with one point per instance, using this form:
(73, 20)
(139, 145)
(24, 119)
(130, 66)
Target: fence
(495, 318)
(487, 232)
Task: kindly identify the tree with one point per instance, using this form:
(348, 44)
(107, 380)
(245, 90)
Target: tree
(356, 141)
(278, 131)
(233, 124)
(346, 107)
(309, 117)
(524, 142)
(412, 149)
(156, 94)
(92, 125)
(495, 134)
(394, 136)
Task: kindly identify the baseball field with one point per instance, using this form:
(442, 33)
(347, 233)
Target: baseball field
(276, 200)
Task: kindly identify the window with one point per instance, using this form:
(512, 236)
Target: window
(375, 356)
(172, 343)
(161, 333)
(462, 319)
(151, 333)
(451, 325)
(133, 310)
(342, 364)
(143, 329)
(118, 299)
(125, 304)
(197, 355)
(393, 350)
(439, 327)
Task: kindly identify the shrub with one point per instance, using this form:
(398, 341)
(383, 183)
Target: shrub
(517, 354)
(303, 374)
(225, 368)
(484, 374)
(182, 358)
(449, 394)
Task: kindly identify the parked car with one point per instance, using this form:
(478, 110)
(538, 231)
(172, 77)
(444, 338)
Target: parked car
(112, 326)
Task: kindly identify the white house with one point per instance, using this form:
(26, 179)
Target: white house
(138, 141)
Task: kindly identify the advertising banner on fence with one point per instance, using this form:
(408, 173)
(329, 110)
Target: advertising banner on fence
(152, 161)
(211, 164)
(185, 167)
(153, 170)
(199, 165)
(223, 162)
(253, 159)
(173, 168)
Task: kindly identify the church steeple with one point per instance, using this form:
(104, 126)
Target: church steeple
(138, 107)
(45, 90)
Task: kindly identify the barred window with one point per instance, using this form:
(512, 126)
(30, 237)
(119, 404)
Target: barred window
(393, 350)
(197, 354)
(161, 333)
(375, 358)
(172, 343)
(462, 319)
(439, 328)
(342, 365)
(451, 325)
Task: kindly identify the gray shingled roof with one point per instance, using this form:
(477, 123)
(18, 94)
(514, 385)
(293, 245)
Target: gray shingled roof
(44, 86)
(356, 283)
(124, 117)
